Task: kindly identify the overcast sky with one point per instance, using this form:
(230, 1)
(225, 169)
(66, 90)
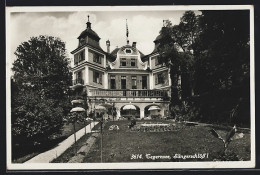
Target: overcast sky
(143, 26)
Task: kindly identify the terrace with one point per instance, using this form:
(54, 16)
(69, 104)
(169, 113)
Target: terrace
(128, 93)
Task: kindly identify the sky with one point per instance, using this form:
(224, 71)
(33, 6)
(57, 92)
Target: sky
(143, 26)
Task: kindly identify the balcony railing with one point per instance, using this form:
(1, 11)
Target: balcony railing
(128, 93)
(77, 81)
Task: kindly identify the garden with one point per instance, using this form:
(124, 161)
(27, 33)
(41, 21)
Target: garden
(163, 141)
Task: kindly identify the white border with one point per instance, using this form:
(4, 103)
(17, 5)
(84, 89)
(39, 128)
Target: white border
(140, 165)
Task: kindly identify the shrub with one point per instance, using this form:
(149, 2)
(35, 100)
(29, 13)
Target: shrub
(35, 119)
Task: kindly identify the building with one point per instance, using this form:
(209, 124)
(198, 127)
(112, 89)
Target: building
(123, 77)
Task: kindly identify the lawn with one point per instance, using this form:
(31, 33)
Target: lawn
(70, 152)
(31, 151)
(126, 146)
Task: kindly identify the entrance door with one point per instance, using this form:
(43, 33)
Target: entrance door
(144, 82)
(123, 84)
(112, 82)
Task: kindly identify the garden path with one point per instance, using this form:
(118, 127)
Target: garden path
(83, 151)
(48, 156)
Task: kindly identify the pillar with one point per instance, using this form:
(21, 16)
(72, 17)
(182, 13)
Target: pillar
(118, 113)
(141, 112)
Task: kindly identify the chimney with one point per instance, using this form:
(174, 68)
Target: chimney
(134, 44)
(108, 46)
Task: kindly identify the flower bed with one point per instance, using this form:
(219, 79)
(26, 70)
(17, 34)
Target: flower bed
(155, 127)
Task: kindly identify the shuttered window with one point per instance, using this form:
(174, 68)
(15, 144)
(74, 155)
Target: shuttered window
(79, 57)
(97, 77)
(133, 62)
(134, 85)
(123, 62)
(95, 57)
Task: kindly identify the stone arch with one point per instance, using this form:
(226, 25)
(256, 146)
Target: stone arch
(149, 113)
(130, 113)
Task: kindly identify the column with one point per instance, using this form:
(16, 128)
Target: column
(86, 75)
(105, 80)
(118, 113)
(141, 112)
(151, 80)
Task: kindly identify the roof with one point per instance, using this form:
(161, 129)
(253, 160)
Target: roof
(89, 32)
(128, 70)
(93, 46)
(112, 56)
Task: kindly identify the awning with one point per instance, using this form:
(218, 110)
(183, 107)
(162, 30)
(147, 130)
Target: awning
(128, 107)
(153, 108)
(77, 101)
(99, 107)
(77, 109)
(106, 105)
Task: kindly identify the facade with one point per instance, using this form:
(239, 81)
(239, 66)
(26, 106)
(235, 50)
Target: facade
(123, 77)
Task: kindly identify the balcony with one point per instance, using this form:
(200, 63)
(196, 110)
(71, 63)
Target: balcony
(129, 93)
(77, 81)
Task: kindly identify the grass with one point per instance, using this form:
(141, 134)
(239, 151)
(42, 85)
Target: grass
(29, 151)
(70, 152)
(123, 145)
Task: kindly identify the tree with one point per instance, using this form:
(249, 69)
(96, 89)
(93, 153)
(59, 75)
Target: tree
(34, 119)
(176, 51)
(39, 88)
(211, 52)
(223, 65)
(222, 49)
(42, 64)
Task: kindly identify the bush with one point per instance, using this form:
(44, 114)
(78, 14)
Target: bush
(185, 112)
(35, 119)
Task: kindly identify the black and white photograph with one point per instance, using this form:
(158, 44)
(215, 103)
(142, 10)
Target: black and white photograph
(130, 87)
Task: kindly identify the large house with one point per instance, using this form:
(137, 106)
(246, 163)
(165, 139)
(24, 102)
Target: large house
(136, 84)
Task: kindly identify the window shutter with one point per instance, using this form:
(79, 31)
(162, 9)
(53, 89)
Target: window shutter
(94, 76)
(83, 55)
(156, 78)
(100, 78)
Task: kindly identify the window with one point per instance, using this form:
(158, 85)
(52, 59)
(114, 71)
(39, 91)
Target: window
(159, 78)
(158, 61)
(144, 82)
(95, 57)
(133, 62)
(134, 82)
(82, 41)
(123, 62)
(79, 57)
(128, 51)
(123, 82)
(78, 77)
(97, 77)
(112, 82)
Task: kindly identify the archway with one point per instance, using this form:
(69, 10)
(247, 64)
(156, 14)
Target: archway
(152, 113)
(128, 113)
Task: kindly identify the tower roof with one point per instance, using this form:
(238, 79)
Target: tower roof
(89, 32)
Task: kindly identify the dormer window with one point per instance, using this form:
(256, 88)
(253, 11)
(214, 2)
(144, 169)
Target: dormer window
(128, 51)
(123, 62)
(133, 62)
(82, 41)
(158, 61)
